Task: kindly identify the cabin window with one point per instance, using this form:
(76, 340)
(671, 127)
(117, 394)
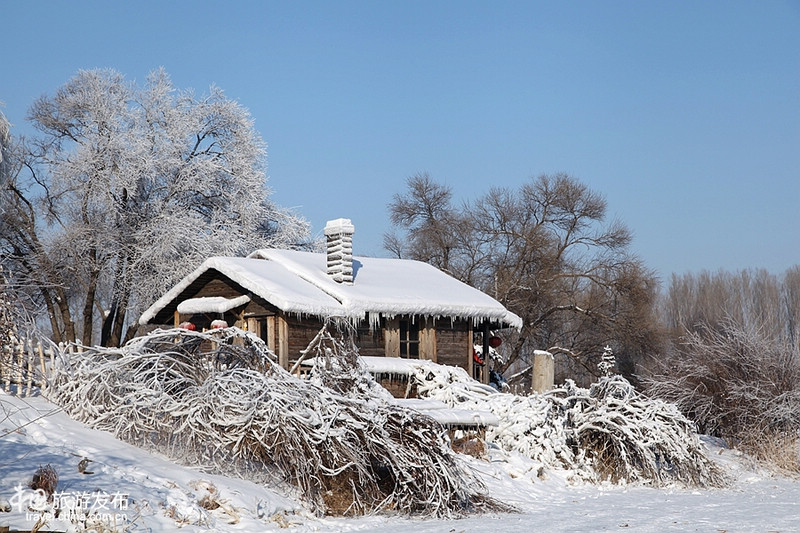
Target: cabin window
(263, 330)
(409, 339)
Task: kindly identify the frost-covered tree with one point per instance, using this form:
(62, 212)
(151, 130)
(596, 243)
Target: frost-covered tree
(127, 188)
(608, 362)
(11, 294)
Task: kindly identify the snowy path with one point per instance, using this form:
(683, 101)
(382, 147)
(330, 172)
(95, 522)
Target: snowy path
(766, 507)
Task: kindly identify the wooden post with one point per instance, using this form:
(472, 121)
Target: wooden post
(282, 335)
(427, 340)
(29, 366)
(470, 350)
(484, 370)
(40, 349)
(392, 337)
(543, 371)
(271, 325)
(8, 356)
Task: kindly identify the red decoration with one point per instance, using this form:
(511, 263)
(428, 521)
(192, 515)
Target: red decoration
(494, 342)
(187, 325)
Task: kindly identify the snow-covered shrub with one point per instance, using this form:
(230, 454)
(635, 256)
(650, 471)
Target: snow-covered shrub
(336, 364)
(218, 399)
(738, 383)
(628, 436)
(605, 432)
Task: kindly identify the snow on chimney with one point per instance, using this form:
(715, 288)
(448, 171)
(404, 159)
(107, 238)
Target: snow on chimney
(339, 236)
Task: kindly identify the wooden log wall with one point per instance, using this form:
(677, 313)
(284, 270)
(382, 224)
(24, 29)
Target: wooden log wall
(453, 343)
(298, 334)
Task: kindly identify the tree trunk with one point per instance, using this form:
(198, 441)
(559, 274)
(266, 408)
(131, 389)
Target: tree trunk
(66, 315)
(119, 319)
(88, 307)
(130, 333)
(115, 320)
(516, 349)
(51, 313)
(108, 321)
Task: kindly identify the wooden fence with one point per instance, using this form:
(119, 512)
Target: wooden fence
(25, 365)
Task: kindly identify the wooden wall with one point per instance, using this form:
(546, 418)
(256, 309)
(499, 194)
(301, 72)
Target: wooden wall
(371, 343)
(447, 342)
(454, 343)
(301, 331)
(444, 341)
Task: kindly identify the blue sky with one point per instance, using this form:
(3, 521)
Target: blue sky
(685, 115)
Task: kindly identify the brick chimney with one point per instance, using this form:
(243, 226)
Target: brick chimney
(339, 237)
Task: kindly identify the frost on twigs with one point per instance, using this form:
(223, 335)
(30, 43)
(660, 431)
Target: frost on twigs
(629, 437)
(336, 364)
(606, 432)
(218, 399)
(738, 382)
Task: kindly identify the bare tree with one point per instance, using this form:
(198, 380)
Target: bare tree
(546, 252)
(790, 299)
(753, 298)
(430, 223)
(126, 190)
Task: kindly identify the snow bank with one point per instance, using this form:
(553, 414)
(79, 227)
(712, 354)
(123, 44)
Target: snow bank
(165, 497)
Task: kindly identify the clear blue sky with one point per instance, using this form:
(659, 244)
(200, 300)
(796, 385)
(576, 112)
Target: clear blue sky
(685, 115)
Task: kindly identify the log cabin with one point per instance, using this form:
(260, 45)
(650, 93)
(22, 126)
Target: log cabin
(399, 307)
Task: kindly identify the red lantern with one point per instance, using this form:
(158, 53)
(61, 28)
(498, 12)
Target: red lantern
(495, 341)
(187, 325)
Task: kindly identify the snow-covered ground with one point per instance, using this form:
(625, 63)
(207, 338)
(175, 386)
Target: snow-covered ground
(145, 492)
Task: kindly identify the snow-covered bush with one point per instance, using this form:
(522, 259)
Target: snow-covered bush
(739, 383)
(605, 432)
(218, 399)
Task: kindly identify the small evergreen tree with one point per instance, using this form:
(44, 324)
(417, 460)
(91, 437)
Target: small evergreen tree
(608, 362)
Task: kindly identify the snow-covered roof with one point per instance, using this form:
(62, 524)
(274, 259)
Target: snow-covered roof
(297, 282)
(211, 304)
(447, 416)
(393, 287)
(267, 279)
